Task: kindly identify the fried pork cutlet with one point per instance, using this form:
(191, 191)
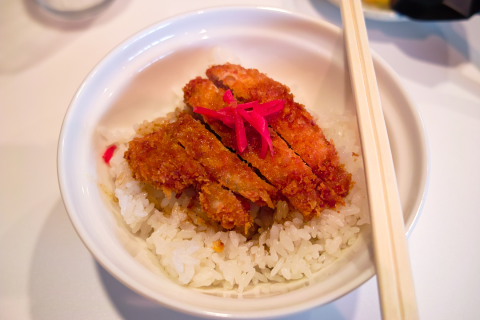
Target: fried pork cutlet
(220, 163)
(285, 170)
(223, 206)
(160, 161)
(294, 124)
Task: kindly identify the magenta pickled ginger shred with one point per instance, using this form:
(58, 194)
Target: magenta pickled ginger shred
(108, 154)
(254, 113)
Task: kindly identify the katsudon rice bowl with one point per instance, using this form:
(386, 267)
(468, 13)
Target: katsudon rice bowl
(179, 189)
(281, 245)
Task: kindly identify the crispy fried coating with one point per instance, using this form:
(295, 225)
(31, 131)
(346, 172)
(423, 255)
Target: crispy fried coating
(160, 161)
(294, 124)
(221, 205)
(285, 170)
(157, 159)
(202, 145)
(305, 167)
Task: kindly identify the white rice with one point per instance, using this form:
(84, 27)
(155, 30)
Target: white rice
(288, 250)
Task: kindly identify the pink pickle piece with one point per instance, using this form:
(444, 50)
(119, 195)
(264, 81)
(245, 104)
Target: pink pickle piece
(108, 154)
(254, 113)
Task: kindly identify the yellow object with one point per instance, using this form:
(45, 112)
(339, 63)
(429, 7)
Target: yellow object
(378, 3)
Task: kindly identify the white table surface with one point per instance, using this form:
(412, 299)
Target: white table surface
(47, 273)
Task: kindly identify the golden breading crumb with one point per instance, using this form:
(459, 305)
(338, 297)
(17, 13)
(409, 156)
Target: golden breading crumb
(218, 246)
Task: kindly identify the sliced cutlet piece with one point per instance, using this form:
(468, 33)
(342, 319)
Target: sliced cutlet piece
(285, 170)
(223, 206)
(220, 163)
(161, 162)
(294, 124)
(158, 160)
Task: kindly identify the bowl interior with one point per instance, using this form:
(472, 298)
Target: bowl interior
(142, 79)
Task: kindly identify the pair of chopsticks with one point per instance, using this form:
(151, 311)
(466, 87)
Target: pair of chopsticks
(395, 281)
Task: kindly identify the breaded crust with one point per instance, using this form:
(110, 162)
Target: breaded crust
(157, 159)
(285, 170)
(221, 205)
(294, 124)
(160, 161)
(219, 162)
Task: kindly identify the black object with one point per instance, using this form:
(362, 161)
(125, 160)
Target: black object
(437, 9)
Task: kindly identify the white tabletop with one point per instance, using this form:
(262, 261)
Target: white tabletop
(47, 273)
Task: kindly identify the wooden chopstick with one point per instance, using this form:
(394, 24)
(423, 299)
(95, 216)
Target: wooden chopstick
(394, 275)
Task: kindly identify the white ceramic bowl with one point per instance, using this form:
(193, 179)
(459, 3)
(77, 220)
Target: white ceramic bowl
(154, 65)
